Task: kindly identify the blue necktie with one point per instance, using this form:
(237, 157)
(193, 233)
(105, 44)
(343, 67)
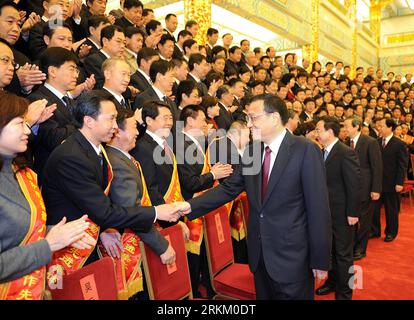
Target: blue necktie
(325, 154)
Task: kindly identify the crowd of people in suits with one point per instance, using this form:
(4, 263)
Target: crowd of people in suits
(90, 103)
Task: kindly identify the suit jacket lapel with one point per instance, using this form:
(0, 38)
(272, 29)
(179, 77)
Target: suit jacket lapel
(91, 154)
(281, 161)
(332, 153)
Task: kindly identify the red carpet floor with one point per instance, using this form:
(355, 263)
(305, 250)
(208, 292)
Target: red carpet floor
(388, 269)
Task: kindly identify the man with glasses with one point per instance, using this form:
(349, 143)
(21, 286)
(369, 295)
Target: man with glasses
(289, 239)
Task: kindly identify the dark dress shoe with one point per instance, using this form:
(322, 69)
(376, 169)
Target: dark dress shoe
(389, 238)
(359, 256)
(325, 289)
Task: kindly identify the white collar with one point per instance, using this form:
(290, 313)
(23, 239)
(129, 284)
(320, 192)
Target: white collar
(329, 148)
(55, 91)
(356, 138)
(145, 75)
(126, 154)
(194, 140)
(118, 97)
(275, 144)
(387, 139)
(163, 58)
(105, 54)
(157, 139)
(94, 43)
(131, 52)
(97, 149)
(196, 79)
(159, 93)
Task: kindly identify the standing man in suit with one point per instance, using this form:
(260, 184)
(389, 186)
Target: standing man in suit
(132, 14)
(162, 77)
(225, 117)
(60, 65)
(141, 79)
(289, 231)
(113, 46)
(117, 74)
(198, 71)
(343, 178)
(196, 175)
(212, 38)
(395, 162)
(370, 160)
(171, 24)
(78, 177)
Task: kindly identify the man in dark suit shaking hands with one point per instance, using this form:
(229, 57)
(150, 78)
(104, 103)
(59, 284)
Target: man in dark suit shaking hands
(289, 229)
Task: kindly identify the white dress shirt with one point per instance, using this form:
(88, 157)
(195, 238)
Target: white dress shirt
(274, 147)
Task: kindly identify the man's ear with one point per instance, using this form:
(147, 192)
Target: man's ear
(46, 39)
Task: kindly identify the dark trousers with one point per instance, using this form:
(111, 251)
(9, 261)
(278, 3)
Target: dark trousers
(342, 261)
(240, 251)
(268, 289)
(391, 201)
(199, 272)
(364, 227)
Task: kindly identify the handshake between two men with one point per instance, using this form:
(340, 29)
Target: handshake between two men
(173, 211)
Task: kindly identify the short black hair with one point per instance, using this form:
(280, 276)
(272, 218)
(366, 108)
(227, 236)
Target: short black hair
(147, 11)
(49, 29)
(96, 21)
(160, 66)
(56, 57)
(168, 16)
(185, 87)
(146, 54)
(184, 33)
(196, 58)
(122, 115)
(188, 44)
(165, 38)
(233, 49)
(128, 4)
(151, 109)
(211, 31)
(190, 111)
(152, 25)
(273, 104)
(131, 31)
(190, 24)
(331, 123)
(89, 104)
(109, 32)
(216, 50)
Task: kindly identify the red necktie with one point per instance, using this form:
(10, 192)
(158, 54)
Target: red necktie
(384, 142)
(352, 144)
(265, 171)
(168, 152)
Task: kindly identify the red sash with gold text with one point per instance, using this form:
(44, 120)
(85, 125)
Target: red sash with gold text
(31, 286)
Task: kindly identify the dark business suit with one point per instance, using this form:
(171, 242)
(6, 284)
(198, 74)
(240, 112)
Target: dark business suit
(53, 131)
(201, 86)
(224, 119)
(126, 190)
(94, 48)
(157, 176)
(343, 181)
(123, 23)
(395, 162)
(118, 105)
(74, 185)
(140, 82)
(93, 65)
(289, 232)
(370, 160)
(177, 54)
(191, 181)
(231, 68)
(151, 95)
